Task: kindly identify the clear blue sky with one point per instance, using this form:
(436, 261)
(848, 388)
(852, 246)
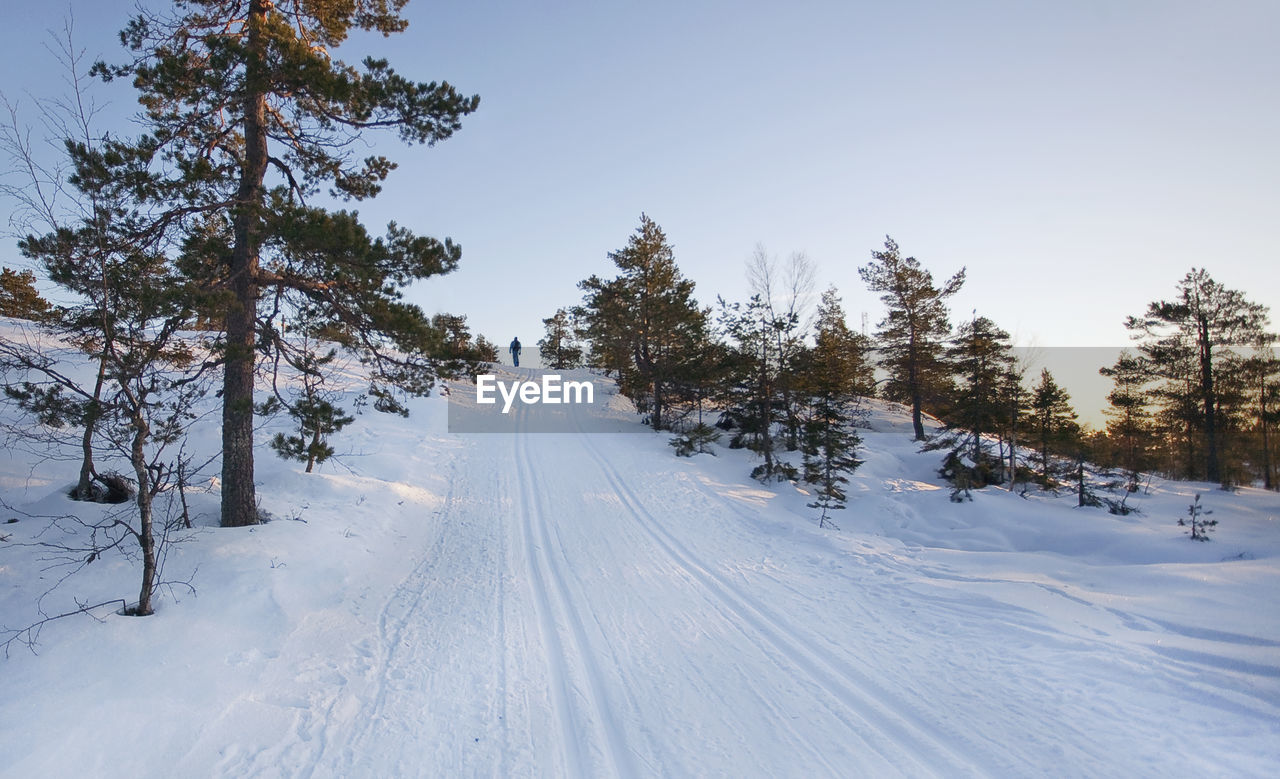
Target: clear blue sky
(1077, 157)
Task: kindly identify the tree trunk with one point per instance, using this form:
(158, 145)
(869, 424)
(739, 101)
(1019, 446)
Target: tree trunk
(913, 386)
(1013, 448)
(146, 532)
(1266, 443)
(85, 487)
(657, 405)
(917, 404)
(1213, 471)
(1044, 455)
(1266, 459)
(146, 540)
(311, 451)
(239, 503)
(1079, 481)
(766, 419)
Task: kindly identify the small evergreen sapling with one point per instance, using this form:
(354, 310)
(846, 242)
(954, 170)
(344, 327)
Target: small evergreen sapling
(829, 442)
(1085, 496)
(695, 440)
(312, 408)
(1195, 518)
(828, 445)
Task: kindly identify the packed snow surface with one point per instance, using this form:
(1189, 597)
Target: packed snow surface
(588, 604)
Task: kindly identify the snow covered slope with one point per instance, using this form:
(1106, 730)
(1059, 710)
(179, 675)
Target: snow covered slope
(590, 605)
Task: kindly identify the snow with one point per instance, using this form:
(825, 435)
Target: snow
(588, 604)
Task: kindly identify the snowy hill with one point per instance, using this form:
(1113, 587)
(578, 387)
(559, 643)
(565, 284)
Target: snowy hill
(587, 604)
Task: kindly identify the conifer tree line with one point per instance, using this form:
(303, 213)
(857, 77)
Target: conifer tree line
(1196, 397)
(199, 258)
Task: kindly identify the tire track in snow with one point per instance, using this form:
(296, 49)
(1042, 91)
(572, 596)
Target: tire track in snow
(916, 738)
(542, 568)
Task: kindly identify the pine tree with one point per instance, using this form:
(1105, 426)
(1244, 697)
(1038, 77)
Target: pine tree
(912, 334)
(981, 357)
(695, 440)
(559, 348)
(250, 114)
(1052, 422)
(644, 324)
(1261, 372)
(76, 240)
(766, 340)
(752, 396)
(698, 386)
(304, 396)
(835, 370)
(19, 297)
(1013, 400)
(1196, 520)
(126, 311)
(1198, 328)
(454, 350)
(1080, 441)
(1128, 420)
(148, 379)
(1172, 370)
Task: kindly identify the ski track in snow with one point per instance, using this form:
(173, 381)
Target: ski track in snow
(572, 605)
(398, 637)
(890, 726)
(559, 621)
(581, 705)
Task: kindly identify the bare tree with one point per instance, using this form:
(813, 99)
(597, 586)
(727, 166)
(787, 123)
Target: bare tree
(786, 296)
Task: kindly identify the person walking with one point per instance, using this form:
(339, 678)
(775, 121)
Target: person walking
(515, 352)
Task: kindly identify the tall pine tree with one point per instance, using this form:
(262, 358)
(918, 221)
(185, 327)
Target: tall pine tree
(559, 348)
(1261, 374)
(1129, 428)
(752, 394)
(1053, 424)
(1014, 400)
(644, 324)
(249, 115)
(981, 357)
(913, 333)
(1199, 327)
(835, 370)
